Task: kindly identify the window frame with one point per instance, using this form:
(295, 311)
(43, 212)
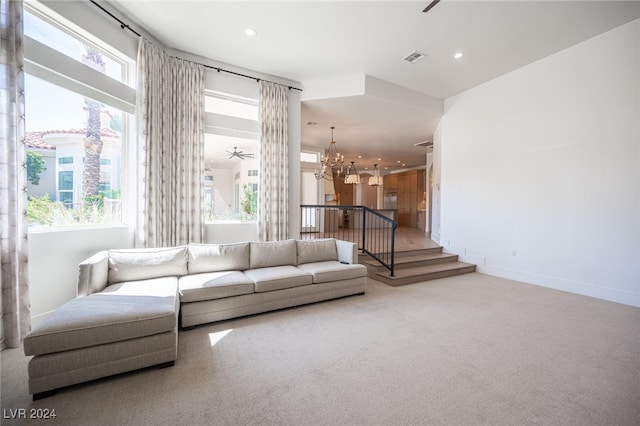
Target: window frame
(59, 69)
(228, 125)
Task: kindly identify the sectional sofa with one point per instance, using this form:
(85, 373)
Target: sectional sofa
(130, 302)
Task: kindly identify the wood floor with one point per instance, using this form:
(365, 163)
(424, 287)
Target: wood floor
(406, 238)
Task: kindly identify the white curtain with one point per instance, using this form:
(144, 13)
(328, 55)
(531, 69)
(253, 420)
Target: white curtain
(16, 319)
(273, 199)
(170, 114)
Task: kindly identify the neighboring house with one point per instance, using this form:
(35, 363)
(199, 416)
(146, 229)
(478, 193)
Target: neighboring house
(47, 185)
(63, 152)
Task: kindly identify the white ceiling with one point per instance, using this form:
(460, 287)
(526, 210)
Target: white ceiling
(311, 41)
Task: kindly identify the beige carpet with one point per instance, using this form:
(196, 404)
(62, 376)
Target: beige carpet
(467, 350)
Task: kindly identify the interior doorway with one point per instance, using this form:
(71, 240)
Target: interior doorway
(310, 194)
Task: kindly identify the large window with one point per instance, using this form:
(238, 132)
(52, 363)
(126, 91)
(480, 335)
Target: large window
(75, 122)
(231, 158)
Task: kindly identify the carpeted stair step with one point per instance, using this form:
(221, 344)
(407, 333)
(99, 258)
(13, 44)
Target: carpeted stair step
(403, 262)
(365, 258)
(414, 274)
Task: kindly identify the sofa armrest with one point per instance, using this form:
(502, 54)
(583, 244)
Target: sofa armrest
(92, 274)
(347, 251)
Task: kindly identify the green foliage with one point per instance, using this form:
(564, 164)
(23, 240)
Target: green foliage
(96, 200)
(35, 166)
(43, 211)
(249, 203)
(114, 194)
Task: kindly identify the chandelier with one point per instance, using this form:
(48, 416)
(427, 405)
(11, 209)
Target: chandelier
(376, 179)
(331, 159)
(352, 175)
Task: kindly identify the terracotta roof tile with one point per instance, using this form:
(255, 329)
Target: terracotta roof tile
(36, 139)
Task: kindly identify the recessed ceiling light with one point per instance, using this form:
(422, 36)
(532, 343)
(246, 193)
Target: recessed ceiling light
(403, 164)
(398, 161)
(359, 156)
(311, 123)
(379, 159)
(250, 32)
(458, 55)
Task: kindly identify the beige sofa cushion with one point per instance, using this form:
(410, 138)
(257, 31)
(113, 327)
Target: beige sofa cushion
(120, 312)
(278, 277)
(324, 272)
(272, 253)
(218, 257)
(213, 285)
(143, 264)
(316, 250)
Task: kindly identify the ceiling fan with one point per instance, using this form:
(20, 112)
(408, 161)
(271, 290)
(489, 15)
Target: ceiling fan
(238, 154)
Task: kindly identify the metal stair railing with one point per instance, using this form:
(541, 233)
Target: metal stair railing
(372, 231)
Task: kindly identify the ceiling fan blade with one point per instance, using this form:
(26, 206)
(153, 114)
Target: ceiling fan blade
(431, 5)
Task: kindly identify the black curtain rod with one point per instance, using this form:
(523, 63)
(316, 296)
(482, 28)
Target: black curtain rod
(126, 26)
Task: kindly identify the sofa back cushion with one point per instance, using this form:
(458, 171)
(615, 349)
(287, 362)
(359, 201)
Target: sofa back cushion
(316, 250)
(142, 264)
(218, 257)
(272, 253)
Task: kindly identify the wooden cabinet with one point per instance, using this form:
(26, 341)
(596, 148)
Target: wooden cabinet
(422, 184)
(408, 185)
(344, 192)
(390, 182)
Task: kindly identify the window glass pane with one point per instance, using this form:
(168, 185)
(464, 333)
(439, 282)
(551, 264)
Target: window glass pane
(230, 181)
(309, 157)
(66, 198)
(74, 152)
(232, 106)
(72, 45)
(65, 180)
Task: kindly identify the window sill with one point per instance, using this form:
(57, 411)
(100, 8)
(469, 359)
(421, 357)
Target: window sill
(231, 222)
(71, 228)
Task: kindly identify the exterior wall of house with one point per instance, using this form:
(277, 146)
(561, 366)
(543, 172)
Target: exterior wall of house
(71, 148)
(538, 171)
(47, 184)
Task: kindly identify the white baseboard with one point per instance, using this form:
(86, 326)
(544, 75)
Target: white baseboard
(585, 289)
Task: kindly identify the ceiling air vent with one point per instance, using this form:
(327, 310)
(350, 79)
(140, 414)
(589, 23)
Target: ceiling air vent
(414, 56)
(424, 143)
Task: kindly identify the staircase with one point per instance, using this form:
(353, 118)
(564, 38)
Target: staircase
(416, 266)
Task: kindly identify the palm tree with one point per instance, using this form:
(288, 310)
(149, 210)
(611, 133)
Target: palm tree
(92, 142)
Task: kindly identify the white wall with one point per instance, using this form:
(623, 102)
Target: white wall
(436, 200)
(540, 171)
(54, 256)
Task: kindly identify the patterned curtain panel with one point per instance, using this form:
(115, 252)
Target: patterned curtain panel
(16, 318)
(273, 199)
(170, 114)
